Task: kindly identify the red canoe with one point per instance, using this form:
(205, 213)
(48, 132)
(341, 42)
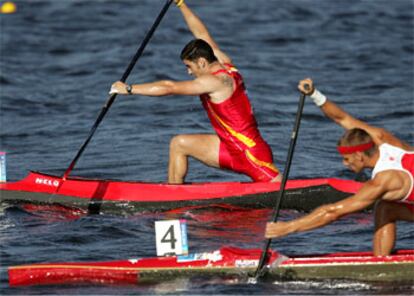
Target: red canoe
(114, 196)
(227, 261)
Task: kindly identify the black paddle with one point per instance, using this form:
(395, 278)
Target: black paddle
(111, 99)
(263, 258)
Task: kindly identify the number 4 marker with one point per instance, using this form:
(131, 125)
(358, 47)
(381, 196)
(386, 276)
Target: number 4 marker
(171, 237)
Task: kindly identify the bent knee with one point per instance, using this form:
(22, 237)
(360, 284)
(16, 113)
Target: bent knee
(388, 211)
(382, 206)
(178, 142)
(385, 210)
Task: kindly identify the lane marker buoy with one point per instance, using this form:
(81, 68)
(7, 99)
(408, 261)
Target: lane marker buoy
(8, 7)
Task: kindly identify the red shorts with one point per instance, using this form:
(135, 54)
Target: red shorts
(257, 162)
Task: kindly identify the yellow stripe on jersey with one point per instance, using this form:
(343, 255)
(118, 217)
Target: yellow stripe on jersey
(259, 162)
(242, 138)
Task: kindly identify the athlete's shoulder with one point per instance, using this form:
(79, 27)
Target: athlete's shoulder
(382, 136)
(230, 67)
(207, 78)
(392, 141)
(388, 179)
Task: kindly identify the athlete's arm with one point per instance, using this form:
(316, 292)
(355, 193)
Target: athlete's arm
(368, 194)
(344, 119)
(201, 85)
(200, 31)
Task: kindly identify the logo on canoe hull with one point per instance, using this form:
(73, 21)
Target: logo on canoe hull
(48, 182)
(246, 263)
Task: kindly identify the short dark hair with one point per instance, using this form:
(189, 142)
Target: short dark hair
(196, 49)
(357, 136)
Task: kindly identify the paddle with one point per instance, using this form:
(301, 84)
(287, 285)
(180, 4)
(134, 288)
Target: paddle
(281, 194)
(112, 97)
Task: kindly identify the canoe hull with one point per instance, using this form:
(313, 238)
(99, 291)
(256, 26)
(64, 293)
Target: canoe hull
(106, 196)
(226, 262)
(362, 267)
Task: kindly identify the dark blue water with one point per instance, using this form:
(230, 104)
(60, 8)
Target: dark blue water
(59, 58)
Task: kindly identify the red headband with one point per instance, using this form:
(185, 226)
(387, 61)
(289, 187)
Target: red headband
(356, 148)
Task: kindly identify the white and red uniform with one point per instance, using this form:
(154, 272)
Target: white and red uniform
(395, 158)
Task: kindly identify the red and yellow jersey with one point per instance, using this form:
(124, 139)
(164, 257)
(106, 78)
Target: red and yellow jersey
(233, 119)
(235, 124)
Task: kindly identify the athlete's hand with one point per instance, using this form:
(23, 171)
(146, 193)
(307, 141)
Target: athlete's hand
(118, 88)
(178, 2)
(277, 229)
(306, 86)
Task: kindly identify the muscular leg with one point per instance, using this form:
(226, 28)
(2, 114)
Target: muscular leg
(204, 148)
(386, 215)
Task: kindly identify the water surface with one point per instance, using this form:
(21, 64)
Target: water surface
(59, 58)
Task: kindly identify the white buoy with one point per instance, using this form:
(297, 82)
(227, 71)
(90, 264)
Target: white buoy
(3, 175)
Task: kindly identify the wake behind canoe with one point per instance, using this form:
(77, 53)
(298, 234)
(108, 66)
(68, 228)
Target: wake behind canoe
(108, 196)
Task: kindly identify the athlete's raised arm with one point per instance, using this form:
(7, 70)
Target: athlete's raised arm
(344, 119)
(200, 31)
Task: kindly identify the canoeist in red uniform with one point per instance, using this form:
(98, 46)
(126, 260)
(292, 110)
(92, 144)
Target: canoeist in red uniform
(391, 187)
(237, 144)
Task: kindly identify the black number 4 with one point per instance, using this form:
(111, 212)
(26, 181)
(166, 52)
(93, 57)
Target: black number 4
(169, 237)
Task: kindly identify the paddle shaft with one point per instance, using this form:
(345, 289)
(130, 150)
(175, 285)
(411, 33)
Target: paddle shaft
(112, 97)
(281, 194)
